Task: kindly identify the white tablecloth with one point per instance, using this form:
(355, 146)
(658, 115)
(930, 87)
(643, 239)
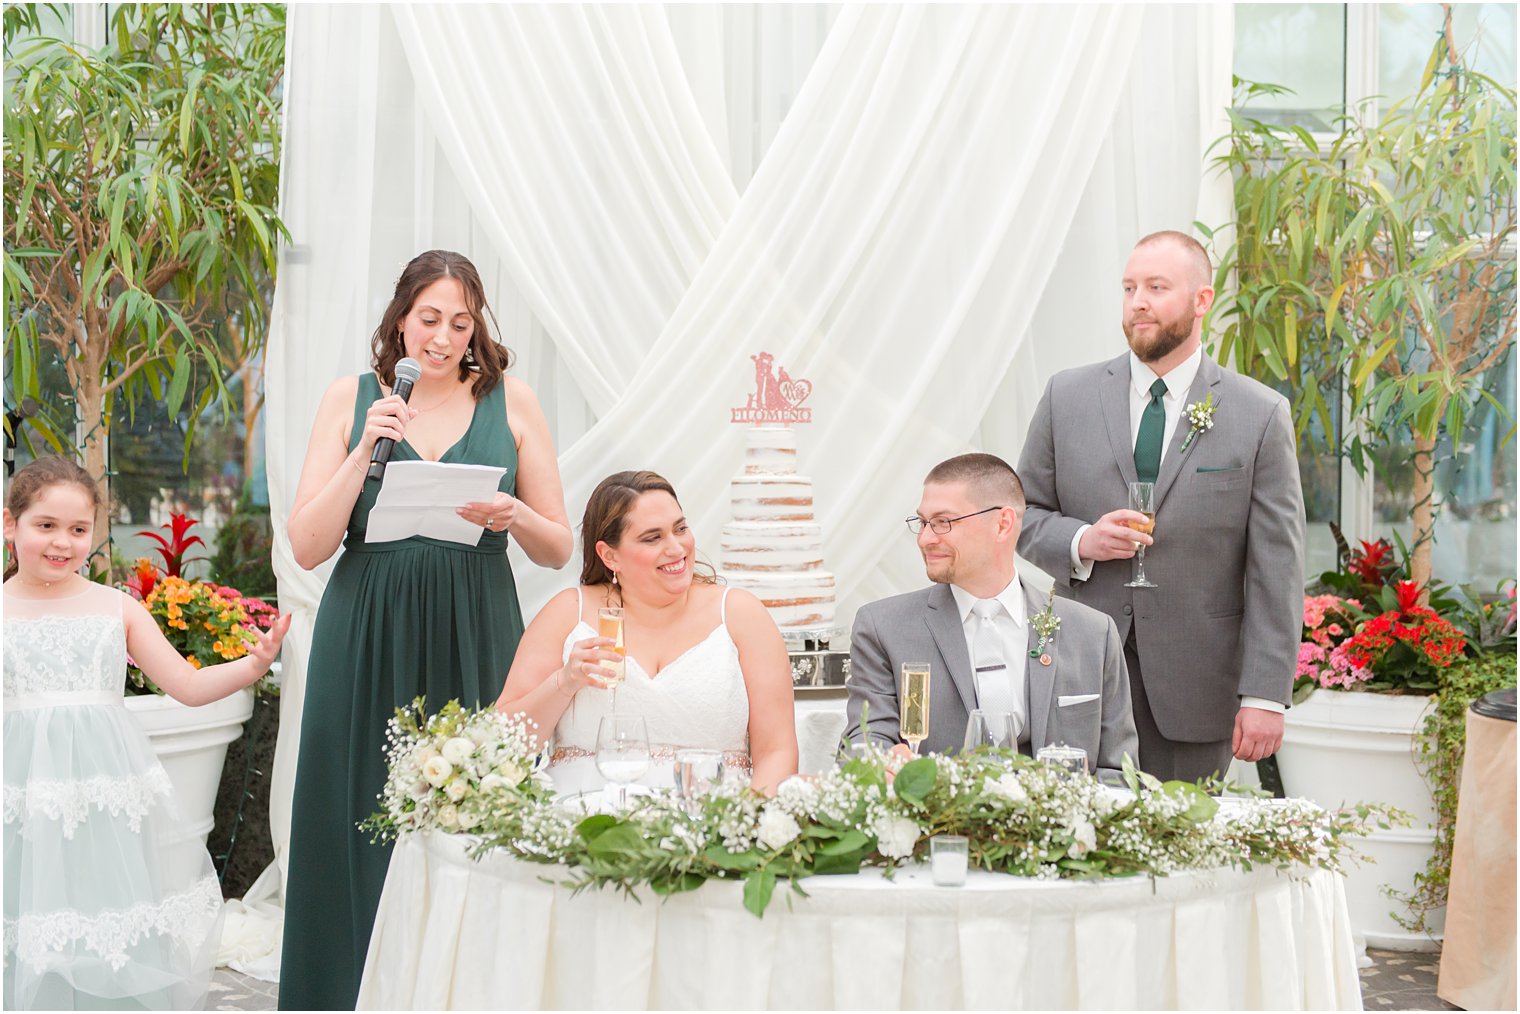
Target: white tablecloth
(455, 934)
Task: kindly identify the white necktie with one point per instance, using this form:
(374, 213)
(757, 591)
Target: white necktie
(995, 689)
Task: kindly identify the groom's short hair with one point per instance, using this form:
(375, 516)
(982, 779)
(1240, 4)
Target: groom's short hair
(988, 476)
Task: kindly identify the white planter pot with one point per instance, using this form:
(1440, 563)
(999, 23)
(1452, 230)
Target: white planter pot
(191, 743)
(1341, 748)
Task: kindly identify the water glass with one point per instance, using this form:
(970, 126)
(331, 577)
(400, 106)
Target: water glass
(1072, 758)
(622, 752)
(948, 854)
(991, 728)
(698, 772)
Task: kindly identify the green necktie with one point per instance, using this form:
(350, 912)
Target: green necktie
(1148, 442)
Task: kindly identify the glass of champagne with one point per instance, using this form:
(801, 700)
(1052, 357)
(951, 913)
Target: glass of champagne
(1142, 498)
(622, 752)
(913, 712)
(609, 624)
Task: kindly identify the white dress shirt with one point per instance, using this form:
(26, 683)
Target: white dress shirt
(1178, 382)
(1011, 626)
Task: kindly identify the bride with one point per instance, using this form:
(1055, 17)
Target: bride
(705, 664)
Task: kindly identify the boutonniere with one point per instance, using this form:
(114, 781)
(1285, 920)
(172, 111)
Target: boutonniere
(1200, 417)
(1044, 623)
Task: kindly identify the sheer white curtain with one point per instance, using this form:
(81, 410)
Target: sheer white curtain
(933, 229)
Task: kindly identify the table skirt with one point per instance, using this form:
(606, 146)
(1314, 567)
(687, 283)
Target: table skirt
(452, 933)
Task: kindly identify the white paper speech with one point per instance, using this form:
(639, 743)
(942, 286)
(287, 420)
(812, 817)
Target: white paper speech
(420, 498)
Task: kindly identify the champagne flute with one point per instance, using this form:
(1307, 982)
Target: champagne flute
(609, 624)
(1072, 759)
(913, 715)
(622, 751)
(1142, 498)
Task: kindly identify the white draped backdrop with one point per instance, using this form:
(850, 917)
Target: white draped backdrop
(924, 210)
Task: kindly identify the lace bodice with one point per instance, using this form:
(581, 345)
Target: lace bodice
(697, 700)
(65, 645)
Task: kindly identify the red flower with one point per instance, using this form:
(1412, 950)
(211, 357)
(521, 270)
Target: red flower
(144, 576)
(1408, 594)
(1369, 562)
(174, 548)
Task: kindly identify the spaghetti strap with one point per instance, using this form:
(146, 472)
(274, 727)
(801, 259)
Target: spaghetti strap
(723, 608)
(580, 605)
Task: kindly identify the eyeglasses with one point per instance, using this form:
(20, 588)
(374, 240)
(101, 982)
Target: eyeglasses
(941, 526)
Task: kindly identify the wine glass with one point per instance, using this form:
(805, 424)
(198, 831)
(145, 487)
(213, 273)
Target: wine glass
(622, 751)
(609, 624)
(913, 715)
(698, 772)
(1142, 498)
(991, 728)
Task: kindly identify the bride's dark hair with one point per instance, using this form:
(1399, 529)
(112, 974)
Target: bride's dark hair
(607, 515)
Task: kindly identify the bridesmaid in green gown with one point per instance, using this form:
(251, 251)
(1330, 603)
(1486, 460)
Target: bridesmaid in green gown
(415, 617)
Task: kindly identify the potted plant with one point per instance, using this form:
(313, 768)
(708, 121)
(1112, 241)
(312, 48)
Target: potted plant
(141, 181)
(1380, 693)
(206, 623)
(1377, 266)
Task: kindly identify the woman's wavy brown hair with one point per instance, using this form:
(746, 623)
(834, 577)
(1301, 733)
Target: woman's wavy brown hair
(607, 515)
(486, 359)
(29, 482)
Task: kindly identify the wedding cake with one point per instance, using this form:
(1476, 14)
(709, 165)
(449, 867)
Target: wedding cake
(773, 547)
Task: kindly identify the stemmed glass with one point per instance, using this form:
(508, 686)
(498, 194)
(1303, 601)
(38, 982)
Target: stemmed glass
(622, 751)
(1142, 498)
(991, 728)
(913, 713)
(1073, 759)
(698, 772)
(609, 624)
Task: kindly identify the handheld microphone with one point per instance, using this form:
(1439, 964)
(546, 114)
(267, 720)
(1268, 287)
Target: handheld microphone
(408, 372)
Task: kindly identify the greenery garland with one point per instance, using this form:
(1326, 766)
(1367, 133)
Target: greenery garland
(478, 772)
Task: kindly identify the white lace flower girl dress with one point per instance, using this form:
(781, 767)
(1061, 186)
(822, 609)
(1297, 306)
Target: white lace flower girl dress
(110, 899)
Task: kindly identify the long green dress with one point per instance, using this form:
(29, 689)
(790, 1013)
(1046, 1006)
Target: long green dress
(398, 620)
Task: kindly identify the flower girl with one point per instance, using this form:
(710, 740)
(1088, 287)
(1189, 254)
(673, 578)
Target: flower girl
(110, 900)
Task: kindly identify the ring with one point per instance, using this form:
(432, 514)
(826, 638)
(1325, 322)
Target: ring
(491, 524)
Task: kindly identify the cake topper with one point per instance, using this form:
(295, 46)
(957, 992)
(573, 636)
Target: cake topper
(775, 399)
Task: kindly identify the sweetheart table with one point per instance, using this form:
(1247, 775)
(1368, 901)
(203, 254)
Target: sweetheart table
(453, 933)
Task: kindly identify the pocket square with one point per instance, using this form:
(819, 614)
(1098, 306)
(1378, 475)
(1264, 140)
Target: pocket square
(1222, 468)
(1067, 700)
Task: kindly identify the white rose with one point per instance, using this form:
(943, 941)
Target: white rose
(797, 794)
(1086, 839)
(437, 771)
(422, 753)
(492, 782)
(1007, 786)
(467, 819)
(421, 790)
(448, 817)
(457, 750)
(777, 827)
(510, 771)
(480, 735)
(456, 789)
(896, 836)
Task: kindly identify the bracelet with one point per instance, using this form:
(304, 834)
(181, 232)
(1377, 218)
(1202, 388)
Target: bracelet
(559, 683)
(357, 467)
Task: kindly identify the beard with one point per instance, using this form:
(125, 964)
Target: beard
(1167, 338)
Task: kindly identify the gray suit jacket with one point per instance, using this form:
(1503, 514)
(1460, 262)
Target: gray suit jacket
(1226, 618)
(925, 626)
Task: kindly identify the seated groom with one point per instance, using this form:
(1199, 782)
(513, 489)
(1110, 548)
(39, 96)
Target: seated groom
(979, 629)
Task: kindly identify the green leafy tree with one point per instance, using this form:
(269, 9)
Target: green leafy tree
(140, 190)
(1382, 264)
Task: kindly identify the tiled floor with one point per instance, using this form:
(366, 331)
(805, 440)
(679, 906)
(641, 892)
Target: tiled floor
(1394, 981)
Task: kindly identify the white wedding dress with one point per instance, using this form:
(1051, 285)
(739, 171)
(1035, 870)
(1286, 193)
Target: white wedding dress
(110, 900)
(697, 700)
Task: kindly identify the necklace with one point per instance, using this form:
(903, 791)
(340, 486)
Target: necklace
(442, 401)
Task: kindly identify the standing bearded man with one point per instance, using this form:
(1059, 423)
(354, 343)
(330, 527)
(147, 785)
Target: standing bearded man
(1212, 647)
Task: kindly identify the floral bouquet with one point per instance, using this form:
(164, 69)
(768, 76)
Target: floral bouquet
(457, 770)
(463, 770)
